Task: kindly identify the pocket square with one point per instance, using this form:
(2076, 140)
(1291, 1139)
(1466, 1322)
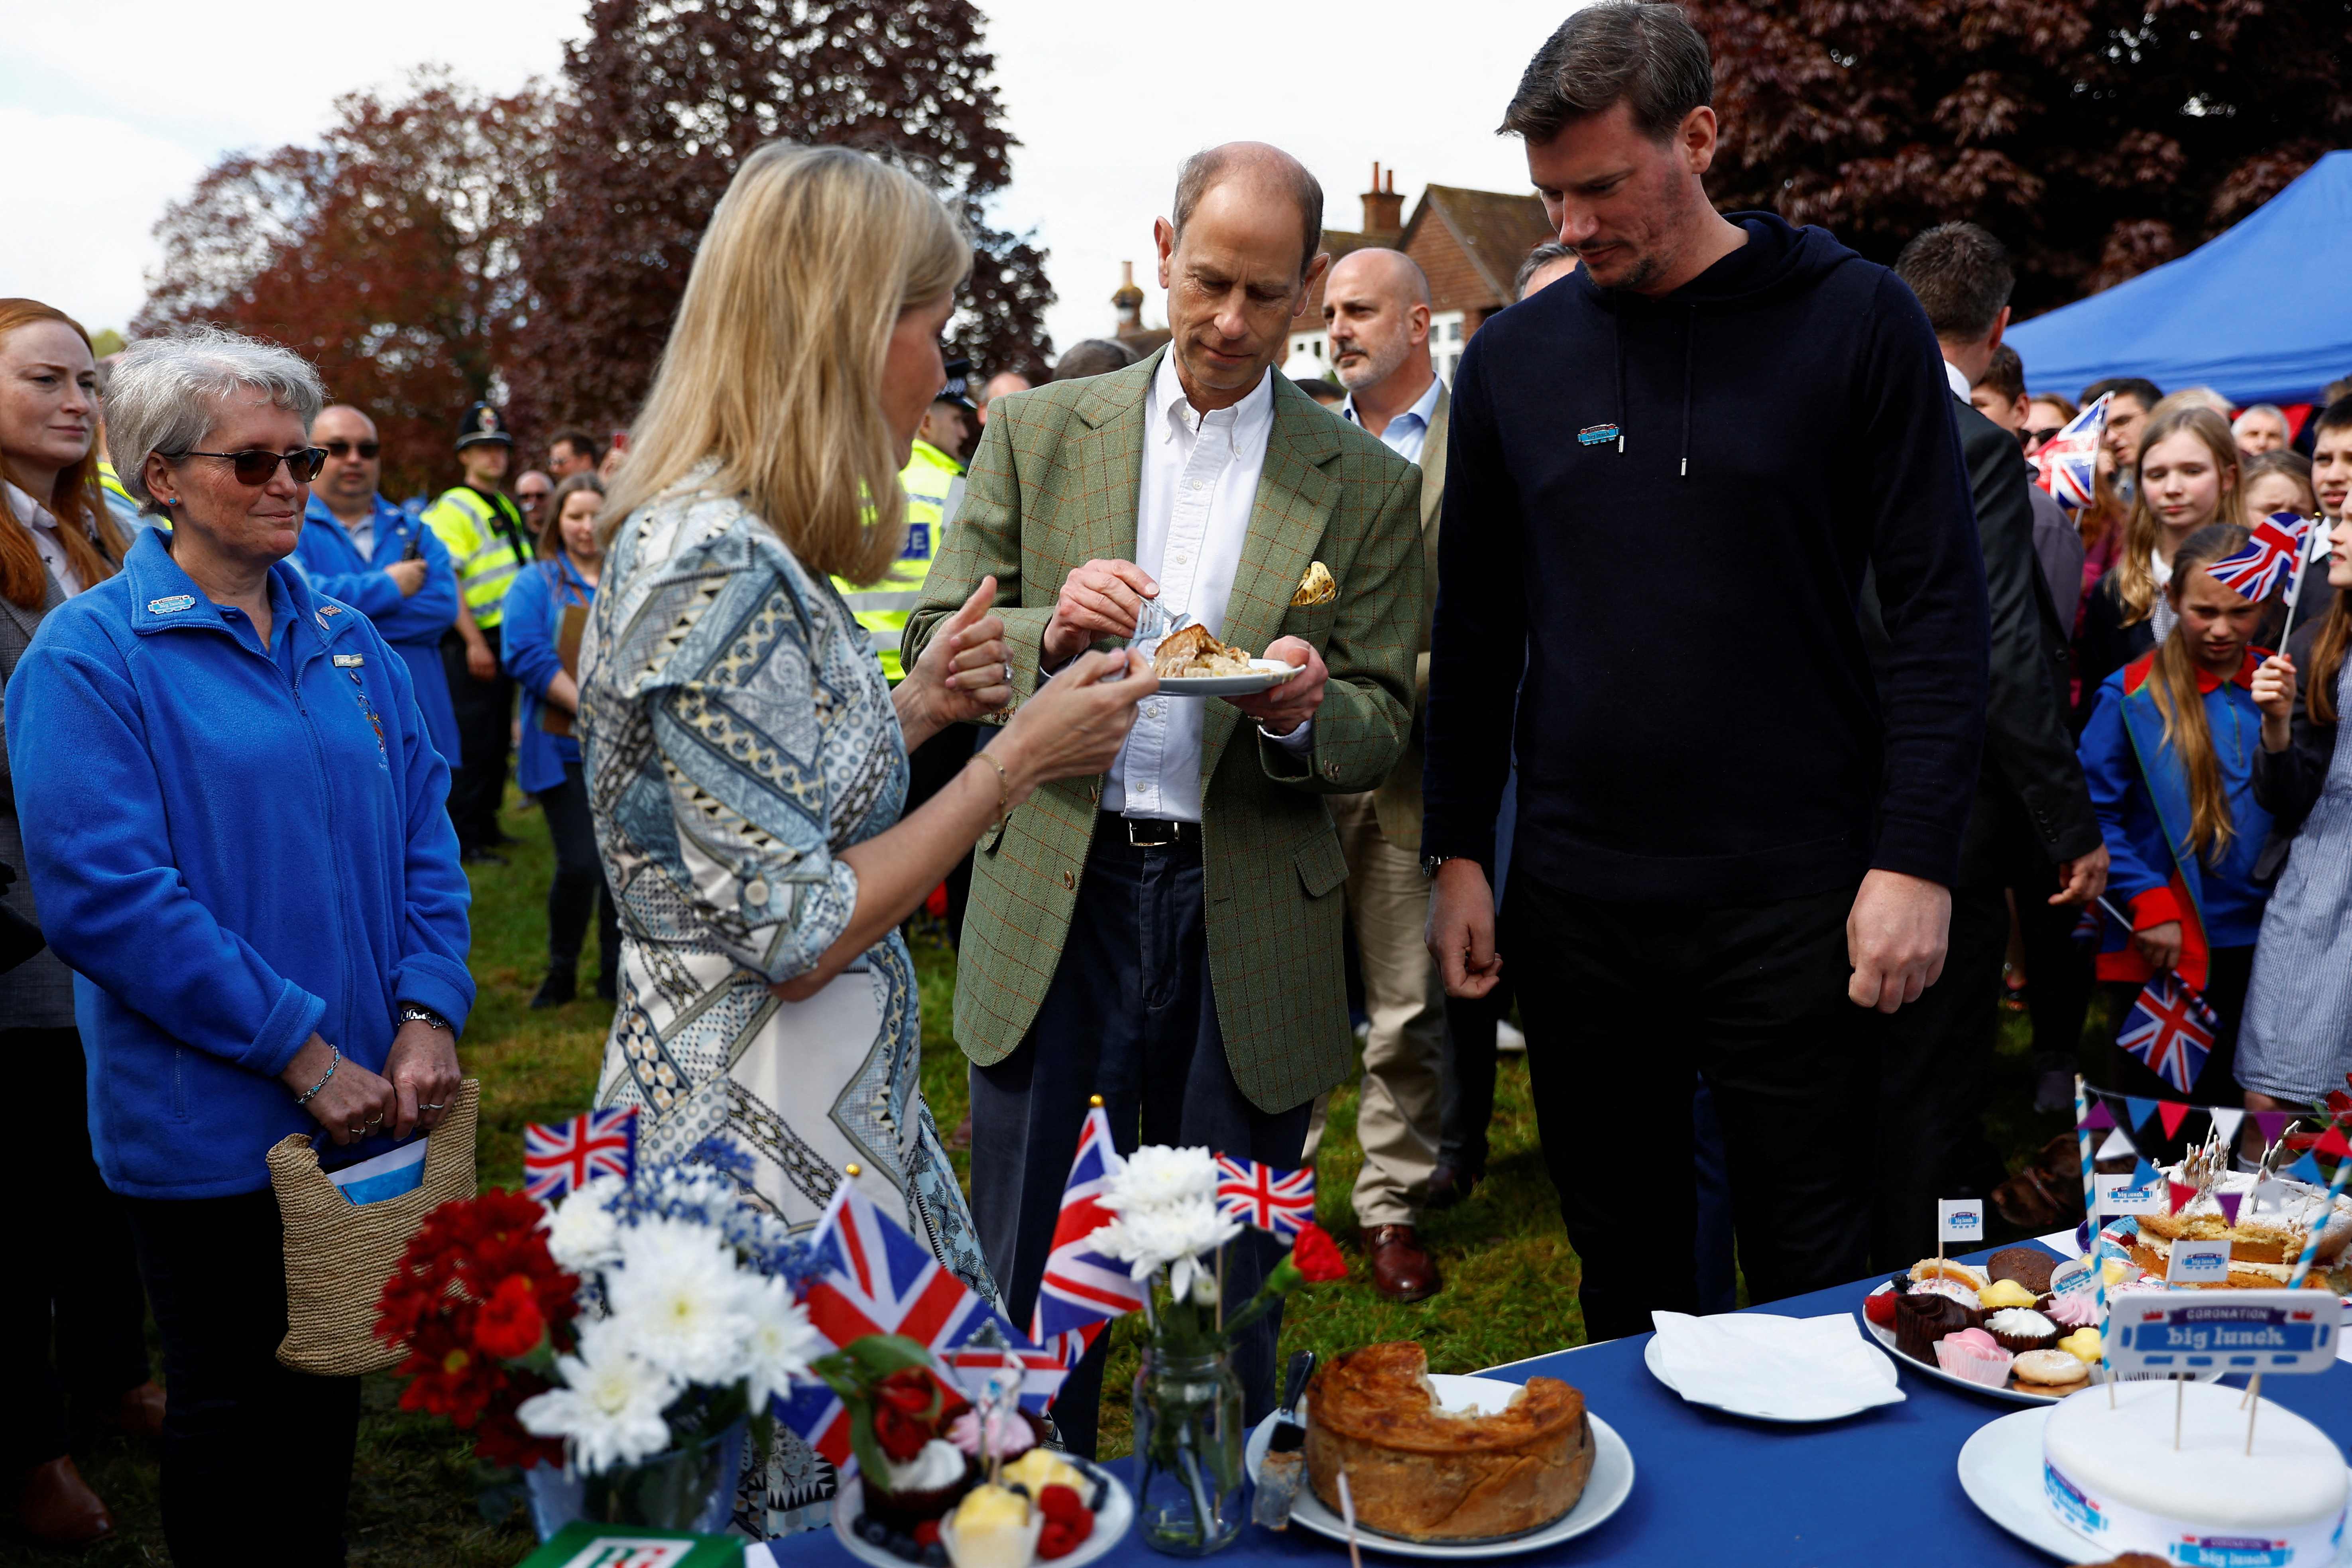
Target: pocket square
(1314, 588)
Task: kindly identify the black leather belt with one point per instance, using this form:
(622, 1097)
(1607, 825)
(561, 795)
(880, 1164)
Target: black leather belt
(1153, 832)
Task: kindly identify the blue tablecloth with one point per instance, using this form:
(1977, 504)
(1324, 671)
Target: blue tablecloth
(1880, 1489)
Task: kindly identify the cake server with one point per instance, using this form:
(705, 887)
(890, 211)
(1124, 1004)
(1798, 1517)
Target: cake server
(1285, 1465)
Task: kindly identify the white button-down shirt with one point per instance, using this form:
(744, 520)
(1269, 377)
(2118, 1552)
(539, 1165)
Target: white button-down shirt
(1192, 512)
(46, 542)
(1408, 432)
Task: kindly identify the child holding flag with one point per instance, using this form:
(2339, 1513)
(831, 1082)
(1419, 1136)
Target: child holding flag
(2169, 754)
(2296, 1041)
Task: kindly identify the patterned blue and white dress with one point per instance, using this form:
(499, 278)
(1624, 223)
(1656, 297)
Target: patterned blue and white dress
(737, 734)
(2295, 1042)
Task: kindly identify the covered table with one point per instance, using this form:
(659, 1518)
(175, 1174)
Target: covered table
(1881, 1488)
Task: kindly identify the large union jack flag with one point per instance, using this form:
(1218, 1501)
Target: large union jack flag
(2269, 559)
(561, 1157)
(2171, 1029)
(1083, 1289)
(875, 1278)
(1272, 1200)
(2068, 466)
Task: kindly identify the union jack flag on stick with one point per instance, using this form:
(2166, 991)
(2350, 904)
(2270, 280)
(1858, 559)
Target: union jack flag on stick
(2269, 559)
(561, 1157)
(2171, 1028)
(2068, 467)
(1083, 1289)
(1275, 1201)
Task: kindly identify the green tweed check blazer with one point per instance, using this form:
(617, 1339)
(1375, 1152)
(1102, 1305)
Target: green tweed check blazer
(1052, 487)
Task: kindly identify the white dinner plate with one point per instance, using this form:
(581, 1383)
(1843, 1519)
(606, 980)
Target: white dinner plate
(1110, 1525)
(1605, 1490)
(1650, 1358)
(2001, 1469)
(1931, 1368)
(1262, 673)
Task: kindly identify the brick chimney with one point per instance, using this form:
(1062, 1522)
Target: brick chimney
(1383, 209)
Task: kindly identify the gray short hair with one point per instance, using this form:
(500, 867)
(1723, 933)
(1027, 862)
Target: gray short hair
(1649, 55)
(2272, 409)
(166, 394)
(1203, 170)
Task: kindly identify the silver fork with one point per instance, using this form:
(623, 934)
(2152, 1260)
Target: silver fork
(1153, 623)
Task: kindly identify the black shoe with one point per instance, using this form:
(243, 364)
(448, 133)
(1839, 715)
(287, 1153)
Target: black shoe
(560, 987)
(479, 857)
(608, 987)
(1449, 1185)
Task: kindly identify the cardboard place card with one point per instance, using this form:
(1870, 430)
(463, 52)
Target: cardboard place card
(2198, 1263)
(2270, 1332)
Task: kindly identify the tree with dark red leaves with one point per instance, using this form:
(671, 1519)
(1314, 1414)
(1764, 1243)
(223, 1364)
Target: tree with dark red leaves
(386, 256)
(666, 99)
(2098, 138)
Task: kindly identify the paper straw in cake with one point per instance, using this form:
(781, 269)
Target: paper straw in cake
(2311, 1245)
(1348, 1513)
(2091, 1211)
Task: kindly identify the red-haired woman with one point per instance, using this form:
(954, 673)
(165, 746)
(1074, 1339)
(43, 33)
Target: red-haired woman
(78, 1272)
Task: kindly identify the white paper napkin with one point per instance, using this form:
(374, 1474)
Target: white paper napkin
(1794, 1369)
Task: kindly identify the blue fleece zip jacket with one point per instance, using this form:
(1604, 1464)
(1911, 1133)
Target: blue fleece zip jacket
(534, 615)
(233, 847)
(415, 625)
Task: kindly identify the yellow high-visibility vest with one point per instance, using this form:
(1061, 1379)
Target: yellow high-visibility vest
(487, 555)
(932, 482)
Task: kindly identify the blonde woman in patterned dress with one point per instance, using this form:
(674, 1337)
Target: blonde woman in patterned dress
(746, 761)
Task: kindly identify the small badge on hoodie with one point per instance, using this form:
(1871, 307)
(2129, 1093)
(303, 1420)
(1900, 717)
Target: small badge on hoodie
(1596, 435)
(350, 660)
(171, 603)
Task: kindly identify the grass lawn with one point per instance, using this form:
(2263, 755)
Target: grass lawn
(1510, 1275)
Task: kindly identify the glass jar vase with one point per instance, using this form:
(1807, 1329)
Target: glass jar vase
(690, 1488)
(1188, 1452)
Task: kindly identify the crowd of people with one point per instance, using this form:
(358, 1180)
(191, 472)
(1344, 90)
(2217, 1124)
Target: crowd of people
(1754, 850)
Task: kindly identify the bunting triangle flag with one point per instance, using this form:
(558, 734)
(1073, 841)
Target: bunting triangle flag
(2272, 1122)
(2183, 1193)
(2143, 1173)
(2098, 1115)
(2229, 1202)
(2306, 1170)
(2226, 1122)
(2332, 1142)
(2139, 1109)
(2172, 1113)
(2117, 1146)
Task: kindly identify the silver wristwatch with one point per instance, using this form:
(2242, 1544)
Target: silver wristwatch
(427, 1016)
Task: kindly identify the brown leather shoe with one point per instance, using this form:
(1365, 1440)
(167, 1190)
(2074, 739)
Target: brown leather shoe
(57, 1508)
(1449, 1186)
(1401, 1270)
(140, 1413)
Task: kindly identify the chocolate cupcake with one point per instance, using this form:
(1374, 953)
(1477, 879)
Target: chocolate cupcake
(2029, 1266)
(923, 1488)
(1923, 1317)
(2021, 1328)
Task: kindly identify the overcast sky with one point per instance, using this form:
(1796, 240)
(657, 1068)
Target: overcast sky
(109, 108)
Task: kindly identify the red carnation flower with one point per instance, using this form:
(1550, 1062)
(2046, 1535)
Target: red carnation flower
(1316, 1256)
(902, 1437)
(510, 1325)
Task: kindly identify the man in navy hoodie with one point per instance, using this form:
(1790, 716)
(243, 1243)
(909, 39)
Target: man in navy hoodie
(1667, 476)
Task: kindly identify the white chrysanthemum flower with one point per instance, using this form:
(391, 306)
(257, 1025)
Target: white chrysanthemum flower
(782, 1340)
(582, 1233)
(1157, 1176)
(677, 1298)
(1171, 1235)
(609, 1406)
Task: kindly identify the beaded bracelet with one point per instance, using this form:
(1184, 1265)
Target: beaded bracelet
(1004, 789)
(304, 1098)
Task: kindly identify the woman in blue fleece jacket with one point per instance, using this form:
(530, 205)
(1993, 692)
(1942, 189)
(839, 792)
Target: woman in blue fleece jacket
(235, 830)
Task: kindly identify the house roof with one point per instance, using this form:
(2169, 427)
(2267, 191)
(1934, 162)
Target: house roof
(1494, 230)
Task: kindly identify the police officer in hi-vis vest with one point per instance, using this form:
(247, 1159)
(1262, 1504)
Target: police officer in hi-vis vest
(484, 530)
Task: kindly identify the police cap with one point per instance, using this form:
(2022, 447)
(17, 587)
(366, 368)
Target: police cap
(958, 389)
(482, 423)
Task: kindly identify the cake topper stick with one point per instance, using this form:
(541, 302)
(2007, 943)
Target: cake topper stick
(1348, 1513)
(2253, 1408)
(2177, 1397)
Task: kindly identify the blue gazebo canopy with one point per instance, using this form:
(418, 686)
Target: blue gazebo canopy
(2261, 313)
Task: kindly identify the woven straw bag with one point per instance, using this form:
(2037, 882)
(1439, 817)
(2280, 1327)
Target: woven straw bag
(339, 1254)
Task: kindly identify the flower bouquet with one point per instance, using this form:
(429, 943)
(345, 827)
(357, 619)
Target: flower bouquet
(618, 1346)
(1172, 1232)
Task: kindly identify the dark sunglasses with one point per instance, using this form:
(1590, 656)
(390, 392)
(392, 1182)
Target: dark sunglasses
(255, 468)
(367, 449)
(2038, 437)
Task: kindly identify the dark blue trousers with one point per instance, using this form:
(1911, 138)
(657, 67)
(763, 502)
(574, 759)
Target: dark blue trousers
(1131, 1015)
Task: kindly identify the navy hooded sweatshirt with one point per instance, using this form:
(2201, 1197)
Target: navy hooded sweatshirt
(1658, 514)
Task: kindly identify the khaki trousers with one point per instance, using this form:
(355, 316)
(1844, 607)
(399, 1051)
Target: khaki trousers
(1397, 1113)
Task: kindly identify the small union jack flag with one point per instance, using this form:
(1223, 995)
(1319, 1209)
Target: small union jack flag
(2171, 1029)
(2269, 559)
(1272, 1200)
(877, 1280)
(2068, 467)
(1083, 1289)
(561, 1157)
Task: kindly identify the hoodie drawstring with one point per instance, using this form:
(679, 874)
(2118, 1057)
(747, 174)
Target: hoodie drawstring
(1690, 327)
(1617, 333)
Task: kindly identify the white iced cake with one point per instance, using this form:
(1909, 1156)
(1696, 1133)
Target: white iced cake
(2112, 1474)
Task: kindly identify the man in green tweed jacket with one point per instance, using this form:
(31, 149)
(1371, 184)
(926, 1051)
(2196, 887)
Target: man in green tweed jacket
(1168, 935)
